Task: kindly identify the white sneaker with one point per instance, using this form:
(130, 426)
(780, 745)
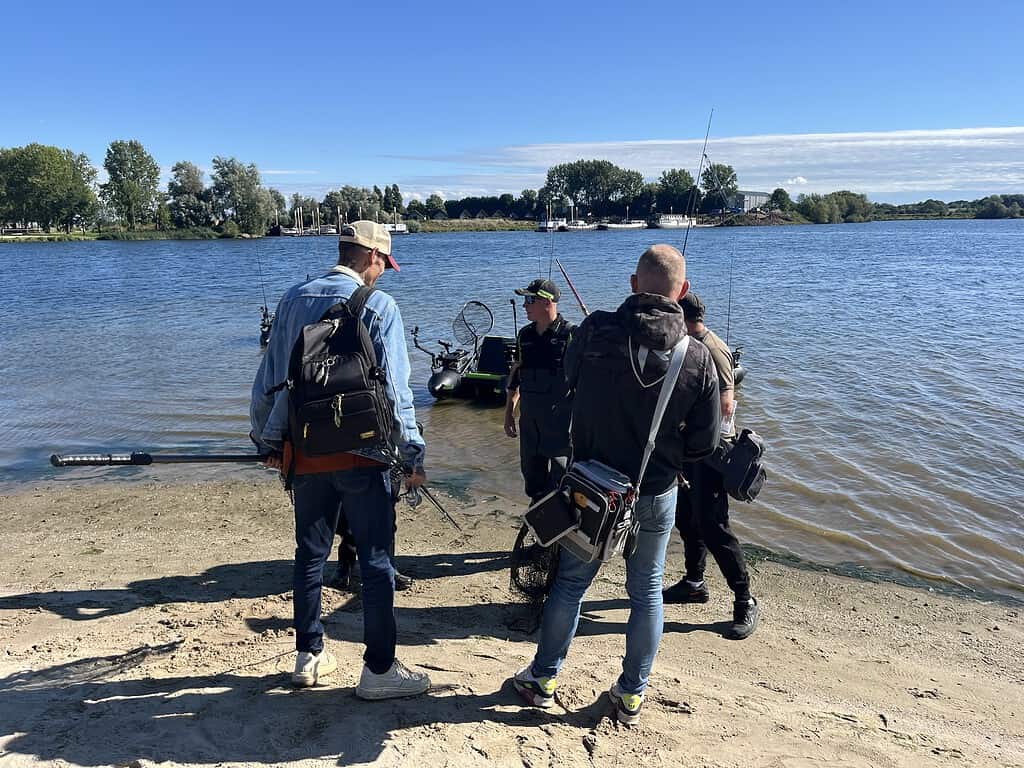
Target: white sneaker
(309, 667)
(396, 683)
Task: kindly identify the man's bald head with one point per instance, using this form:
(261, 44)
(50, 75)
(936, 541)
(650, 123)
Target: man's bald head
(661, 270)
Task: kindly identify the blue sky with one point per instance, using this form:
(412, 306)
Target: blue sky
(900, 100)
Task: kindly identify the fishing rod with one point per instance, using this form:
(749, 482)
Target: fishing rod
(732, 251)
(142, 459)
(572, 287)
(693, 198)
(413, 496)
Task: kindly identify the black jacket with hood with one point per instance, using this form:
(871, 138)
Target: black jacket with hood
(613, 395)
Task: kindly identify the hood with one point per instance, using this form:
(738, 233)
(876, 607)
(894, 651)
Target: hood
(652, 320)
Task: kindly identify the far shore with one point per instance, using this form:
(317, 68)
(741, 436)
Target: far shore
(424, 227)
(149, 624)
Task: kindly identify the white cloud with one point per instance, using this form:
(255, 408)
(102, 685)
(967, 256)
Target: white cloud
(883, 164)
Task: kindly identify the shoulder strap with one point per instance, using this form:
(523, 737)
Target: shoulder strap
(353, 305)
(668, 384)
(357, 301)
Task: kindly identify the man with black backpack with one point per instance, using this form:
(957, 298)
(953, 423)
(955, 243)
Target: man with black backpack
(634, 379)
(331, 404)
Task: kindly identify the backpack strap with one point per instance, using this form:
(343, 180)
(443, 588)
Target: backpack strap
(352, 307)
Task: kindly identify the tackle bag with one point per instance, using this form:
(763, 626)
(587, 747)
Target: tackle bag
(337, 401)
(740, 465)
(591, 512)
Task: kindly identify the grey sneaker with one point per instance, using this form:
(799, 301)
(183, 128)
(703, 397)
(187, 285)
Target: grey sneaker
(396, 683)
(309, 667)
(535, 691)
(627, 705)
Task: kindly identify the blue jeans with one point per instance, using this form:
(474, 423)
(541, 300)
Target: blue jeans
(365, 494)
(644, 569)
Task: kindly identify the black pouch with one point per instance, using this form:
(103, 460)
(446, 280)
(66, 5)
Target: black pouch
(342, 422)
(741, 467)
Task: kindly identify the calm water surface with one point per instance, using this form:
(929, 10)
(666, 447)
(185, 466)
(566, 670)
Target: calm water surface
(886, 368)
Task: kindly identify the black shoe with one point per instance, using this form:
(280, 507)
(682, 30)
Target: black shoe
(686, 593)
(745, 614)
(402, 582)
(347, 577)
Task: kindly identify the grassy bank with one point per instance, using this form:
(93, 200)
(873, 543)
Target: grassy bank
(472, 225)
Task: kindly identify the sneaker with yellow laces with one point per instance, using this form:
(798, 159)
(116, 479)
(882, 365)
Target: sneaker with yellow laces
(536, 691)
(627, 705)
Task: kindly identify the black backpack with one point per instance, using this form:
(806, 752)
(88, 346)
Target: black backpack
(336, 396)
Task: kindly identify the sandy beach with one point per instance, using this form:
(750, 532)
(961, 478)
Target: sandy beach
(149, 624)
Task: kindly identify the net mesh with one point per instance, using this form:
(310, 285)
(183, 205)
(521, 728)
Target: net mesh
(472, 323)
(533, 567)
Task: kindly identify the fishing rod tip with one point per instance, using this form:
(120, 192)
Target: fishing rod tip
(56, 460)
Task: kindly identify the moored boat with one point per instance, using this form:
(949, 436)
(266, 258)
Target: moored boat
(550, 225)
(630, 224)
(671, 221)
(577, 225)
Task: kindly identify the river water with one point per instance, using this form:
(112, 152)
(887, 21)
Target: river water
(885, 368)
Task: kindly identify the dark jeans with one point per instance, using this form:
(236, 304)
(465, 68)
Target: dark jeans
(365, 493)
(702, 517)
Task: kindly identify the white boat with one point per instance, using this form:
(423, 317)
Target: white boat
(397, 228)
(577, 225)
(550, 225)
(628, 224)
(672, 221)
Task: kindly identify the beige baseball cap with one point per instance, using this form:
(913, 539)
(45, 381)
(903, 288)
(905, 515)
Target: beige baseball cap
(369, 234)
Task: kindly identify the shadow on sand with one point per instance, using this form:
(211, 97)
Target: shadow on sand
(75, 712)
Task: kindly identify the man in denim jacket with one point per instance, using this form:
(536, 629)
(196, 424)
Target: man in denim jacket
(356, 481)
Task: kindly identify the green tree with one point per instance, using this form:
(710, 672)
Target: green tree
(526, 204)
(416, 208)
(781, 200)
(992, 208)
(76, 202)
(133, 176)
(162, 212)
(238, 195)
(189, 203)
(597, 186)
(677, 192)
(46, 185)
(307, 204)
(279, 206)
(435, 205)
(720, 186)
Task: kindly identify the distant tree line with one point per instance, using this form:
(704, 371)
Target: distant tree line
(56, 188)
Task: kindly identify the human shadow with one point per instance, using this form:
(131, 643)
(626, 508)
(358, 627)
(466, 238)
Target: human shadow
(77, 712)
(223, 582)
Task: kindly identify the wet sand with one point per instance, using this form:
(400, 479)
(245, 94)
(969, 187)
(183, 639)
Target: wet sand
(149, 624)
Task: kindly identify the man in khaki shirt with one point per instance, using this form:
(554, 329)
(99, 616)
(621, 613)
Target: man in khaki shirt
(702, 507)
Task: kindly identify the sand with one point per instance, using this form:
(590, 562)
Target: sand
(149, 624)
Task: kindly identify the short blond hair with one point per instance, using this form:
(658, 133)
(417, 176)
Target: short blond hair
(661, 270)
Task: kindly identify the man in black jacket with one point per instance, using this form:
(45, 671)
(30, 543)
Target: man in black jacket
(615, 365)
